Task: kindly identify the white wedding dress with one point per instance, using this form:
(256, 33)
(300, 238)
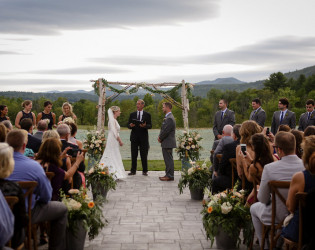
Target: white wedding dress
(112, 157)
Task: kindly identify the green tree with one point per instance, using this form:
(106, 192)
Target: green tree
(276, 81)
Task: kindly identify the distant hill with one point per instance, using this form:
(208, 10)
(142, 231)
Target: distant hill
(200, 89)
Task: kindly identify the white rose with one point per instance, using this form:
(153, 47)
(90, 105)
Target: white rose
(188, 147)
(74, 191)
(226, 207)
(74, 205)
(184, 132)
(190, 171)
(211, 203)
(190, 139)
(193, 146)
(92, 146)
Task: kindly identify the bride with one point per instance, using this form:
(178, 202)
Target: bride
(111, 157)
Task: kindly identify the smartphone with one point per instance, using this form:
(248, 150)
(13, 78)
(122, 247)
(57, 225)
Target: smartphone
(243, 148)
(267, 131)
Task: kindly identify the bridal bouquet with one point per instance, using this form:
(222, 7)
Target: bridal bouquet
(82, 209)
(189, 145)
(95, 143)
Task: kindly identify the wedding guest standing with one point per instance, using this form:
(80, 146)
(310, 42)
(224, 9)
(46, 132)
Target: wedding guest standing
(284, 116)
(258, 114)
(3, 113)
(67, 112)
(25, 113)
(308, 118)
(47, 115)
(139, 123)
(222, 118)
(168, 141)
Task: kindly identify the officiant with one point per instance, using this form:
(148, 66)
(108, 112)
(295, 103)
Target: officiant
(139, 123)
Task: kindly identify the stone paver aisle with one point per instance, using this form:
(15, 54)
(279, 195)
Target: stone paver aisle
(146, 213)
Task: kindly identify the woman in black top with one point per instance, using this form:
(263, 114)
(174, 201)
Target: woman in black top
(25, 113)
(3, 113)
(47, 115)
(67, 112)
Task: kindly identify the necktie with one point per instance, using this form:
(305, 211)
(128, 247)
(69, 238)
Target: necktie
(309, 115)
(222, 113)
(281, 118)
(254, 113)
(138, 116)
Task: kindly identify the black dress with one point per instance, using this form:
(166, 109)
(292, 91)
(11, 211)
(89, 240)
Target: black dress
(26, 115)
(4, 118)
(50, 118)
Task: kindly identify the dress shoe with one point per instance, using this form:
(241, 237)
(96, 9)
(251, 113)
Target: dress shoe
(145, 173)
(165, 178)
(132, 173)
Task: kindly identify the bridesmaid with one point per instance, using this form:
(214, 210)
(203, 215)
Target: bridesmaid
(47, 114)
(67, 112)
(3, 113)
(25, 113)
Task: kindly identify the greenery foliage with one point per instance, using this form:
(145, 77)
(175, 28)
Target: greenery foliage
(227, 211)
(196, 178)
(82, 208)
(100, 175)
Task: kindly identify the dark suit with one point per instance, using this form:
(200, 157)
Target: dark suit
(259, 116)
(33, 143)
(77, 180)
(168, 142)
(304, 122)
(288, 119)
(218, 124)
(224, 178)
(139, 138)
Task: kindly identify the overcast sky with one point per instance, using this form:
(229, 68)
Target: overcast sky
(61, 45)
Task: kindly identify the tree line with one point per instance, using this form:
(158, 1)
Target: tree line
(202, 110)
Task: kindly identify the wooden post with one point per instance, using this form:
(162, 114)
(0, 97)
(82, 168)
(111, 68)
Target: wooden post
(185, 103)
(101, 106)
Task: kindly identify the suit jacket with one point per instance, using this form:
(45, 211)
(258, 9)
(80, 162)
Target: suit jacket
(281, 170)
(228, 118)
(219, 150)
(288, 119)
(229, 152)
(39, 135)
(214, 146)
(167, 133)
(304, 122)
(33, 143)
(137, 132)
(259, 116)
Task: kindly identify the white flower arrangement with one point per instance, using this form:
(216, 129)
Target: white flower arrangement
(95, 143)
(188, 145)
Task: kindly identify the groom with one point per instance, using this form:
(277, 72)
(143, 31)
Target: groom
(139, 123)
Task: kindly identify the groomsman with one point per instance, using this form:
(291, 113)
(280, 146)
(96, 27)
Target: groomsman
(222, 118)
(284, 116)
(168, 141)
(308, 118)
(258, 114)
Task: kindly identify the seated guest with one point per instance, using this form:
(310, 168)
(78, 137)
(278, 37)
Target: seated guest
(50, 134)
(6, 222)
(225, 139)
(310, 130)
(10, 188)
(248, 128)
(73, 132)
(298, 138)
(49, 156)
(41, 128)
(64, 133)
(284, 127)
(223, 179)
(3, 132)
(301, 182)
(8, 125)
(33, 143)
(43, 209)
(281, 170)
(262, 157)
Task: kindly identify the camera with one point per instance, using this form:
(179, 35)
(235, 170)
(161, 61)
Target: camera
(73, 152)
(243, 148)
(267, 131)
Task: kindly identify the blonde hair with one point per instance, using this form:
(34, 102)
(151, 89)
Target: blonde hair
(50, 134)
(70, 108)
(115, 108)
(6, 160)
(308, 146)
(3, 132)
(26, 103)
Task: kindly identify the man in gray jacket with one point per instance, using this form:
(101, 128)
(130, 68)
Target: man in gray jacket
(281, 170)
(222, 118)
(284, 116)
(168, 141)
(258, 114)
(308, 118)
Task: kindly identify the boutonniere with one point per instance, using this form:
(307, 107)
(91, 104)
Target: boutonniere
(164, 119)
(312, 115)
(224, 114)
(286, 114)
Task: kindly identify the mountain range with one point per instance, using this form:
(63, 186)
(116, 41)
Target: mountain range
(200, 89)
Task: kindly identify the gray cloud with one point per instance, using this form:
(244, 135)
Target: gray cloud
(3, 52)
(49, 17)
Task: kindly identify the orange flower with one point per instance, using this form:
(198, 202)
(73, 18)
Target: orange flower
(210, 210)
(91, 204)
(233, 196)
(103, 173)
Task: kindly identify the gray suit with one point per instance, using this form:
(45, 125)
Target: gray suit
(282, 170)
(39, 135)
(219, 150)
(288, 119)
(304, 122)
(259, 116)
(218, 124)
(168, 142)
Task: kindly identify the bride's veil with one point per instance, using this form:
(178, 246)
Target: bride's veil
(110, 114)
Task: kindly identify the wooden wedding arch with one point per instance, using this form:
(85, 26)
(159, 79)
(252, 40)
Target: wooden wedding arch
(100, 86)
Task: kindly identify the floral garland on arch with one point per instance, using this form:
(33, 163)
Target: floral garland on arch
(143, 85)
